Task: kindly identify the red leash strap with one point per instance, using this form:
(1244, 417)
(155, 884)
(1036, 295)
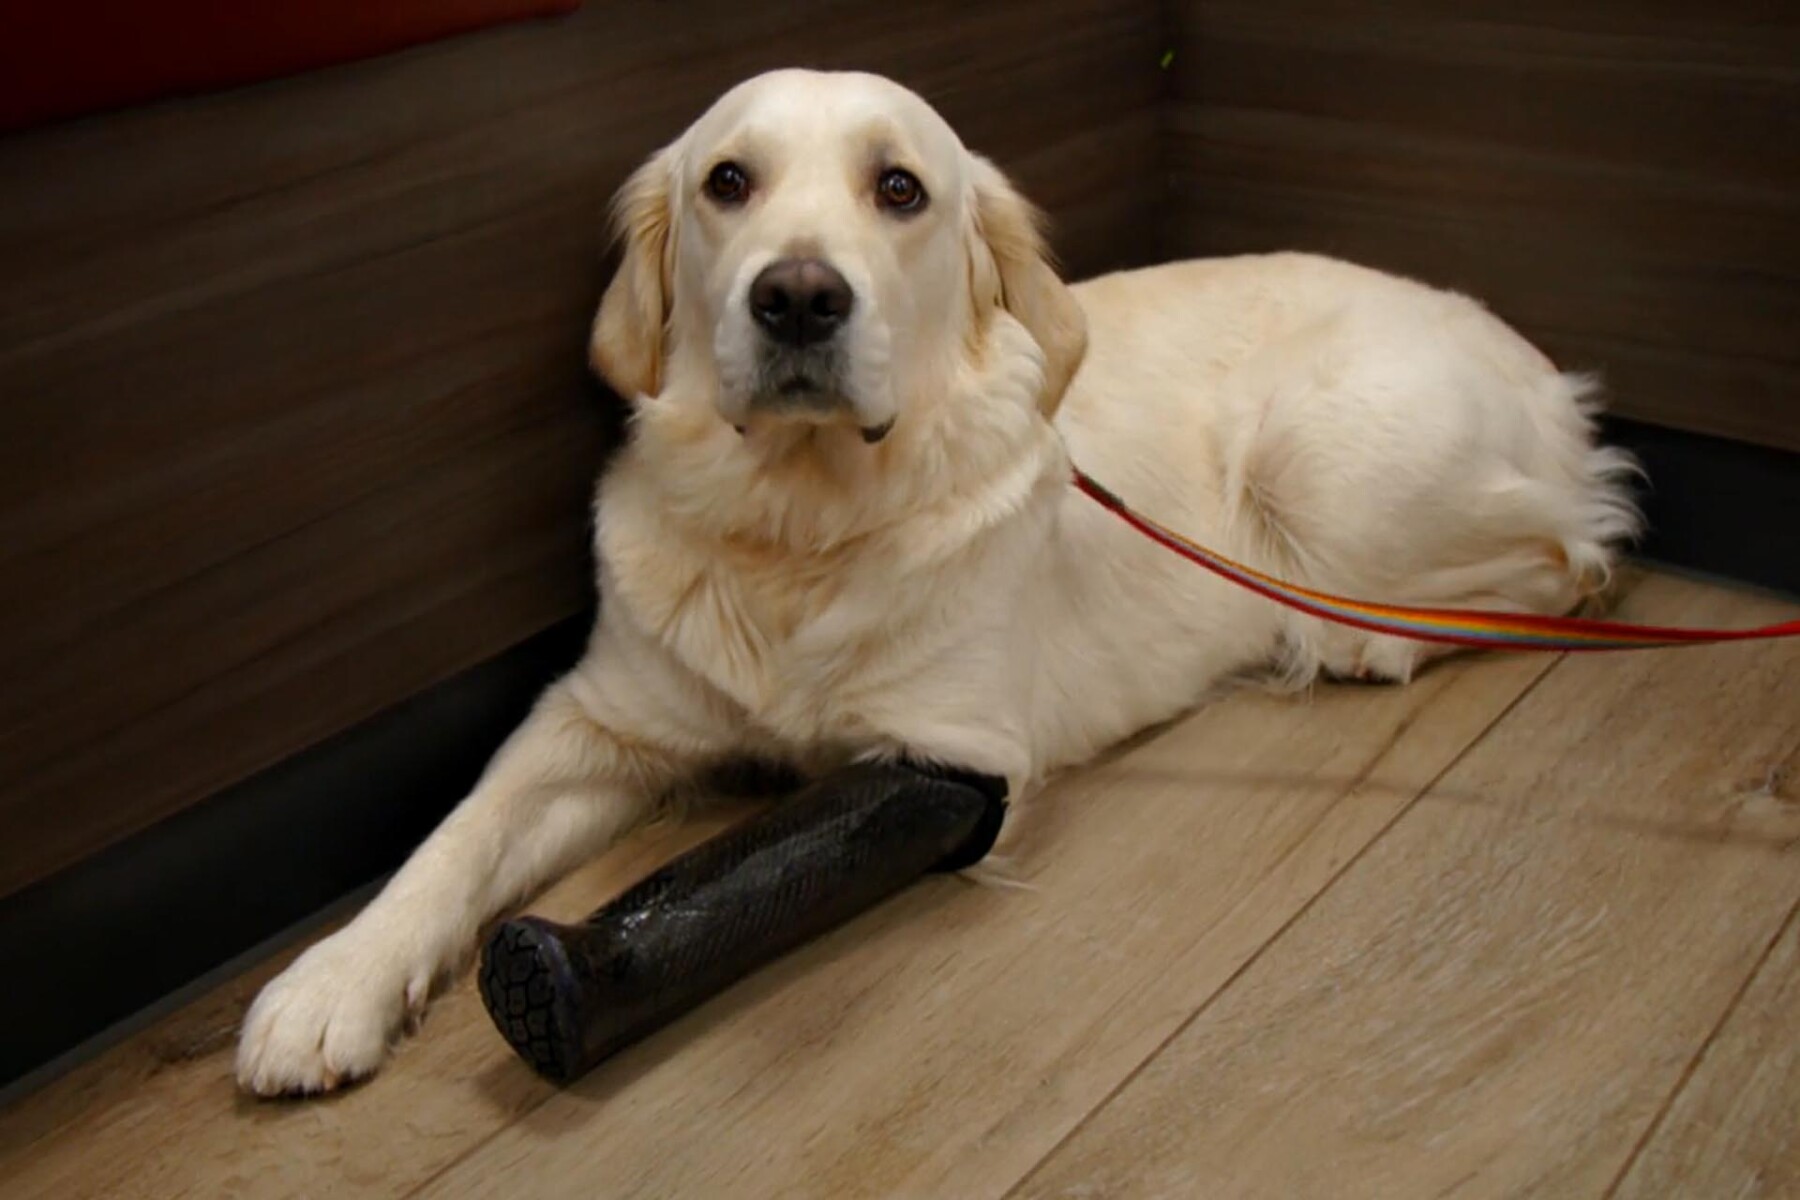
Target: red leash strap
(1456, 627)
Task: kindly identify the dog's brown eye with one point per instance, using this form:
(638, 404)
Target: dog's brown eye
(900, 190)
(728, 184)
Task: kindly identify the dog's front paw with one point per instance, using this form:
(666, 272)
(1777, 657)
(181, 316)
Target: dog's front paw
(329, 1018)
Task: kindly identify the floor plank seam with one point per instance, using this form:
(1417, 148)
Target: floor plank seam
(470, 1150)
(1698, 1058)
(1293, 918)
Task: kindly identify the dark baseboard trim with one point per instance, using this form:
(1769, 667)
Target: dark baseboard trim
(128, 927)
(109, 937)
(1717, 507)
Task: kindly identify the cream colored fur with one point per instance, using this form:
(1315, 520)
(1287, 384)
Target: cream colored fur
(790, 590)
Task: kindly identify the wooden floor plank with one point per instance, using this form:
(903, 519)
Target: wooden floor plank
(943, 1044)
(1733, 1130)
(1499, 997)
(159, 1115)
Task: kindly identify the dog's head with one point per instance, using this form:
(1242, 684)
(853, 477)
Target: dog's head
(821, 248)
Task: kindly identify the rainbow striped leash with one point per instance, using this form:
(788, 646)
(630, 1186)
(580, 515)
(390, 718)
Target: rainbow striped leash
(1455, 627)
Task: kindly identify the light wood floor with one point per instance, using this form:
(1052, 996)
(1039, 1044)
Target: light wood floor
(1526, 927)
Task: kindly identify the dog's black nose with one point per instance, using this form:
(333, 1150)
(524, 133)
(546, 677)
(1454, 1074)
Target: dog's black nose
(800, 301)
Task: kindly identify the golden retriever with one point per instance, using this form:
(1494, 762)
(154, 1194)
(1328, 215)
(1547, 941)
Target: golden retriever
(844, 525)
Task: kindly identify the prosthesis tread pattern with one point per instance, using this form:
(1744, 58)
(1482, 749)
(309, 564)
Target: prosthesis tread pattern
(519, 978)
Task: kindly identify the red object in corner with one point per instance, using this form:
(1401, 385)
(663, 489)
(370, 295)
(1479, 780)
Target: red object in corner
(60, 59)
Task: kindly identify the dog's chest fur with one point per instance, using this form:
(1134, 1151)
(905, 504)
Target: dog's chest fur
(791, 639)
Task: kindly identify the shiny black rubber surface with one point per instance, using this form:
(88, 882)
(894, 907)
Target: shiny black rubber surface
(568, 996)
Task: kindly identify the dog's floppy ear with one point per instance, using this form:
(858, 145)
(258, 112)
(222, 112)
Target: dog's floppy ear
(626, 346)
(1016, 272)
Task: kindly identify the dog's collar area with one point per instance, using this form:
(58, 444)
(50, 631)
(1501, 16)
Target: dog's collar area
(871, 434)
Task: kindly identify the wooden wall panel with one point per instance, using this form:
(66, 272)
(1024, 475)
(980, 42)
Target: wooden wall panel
(1618, 177)
(294, 420)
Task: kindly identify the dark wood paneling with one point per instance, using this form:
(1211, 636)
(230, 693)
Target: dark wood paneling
(129, 924)
(1619, 178)
(294, 419)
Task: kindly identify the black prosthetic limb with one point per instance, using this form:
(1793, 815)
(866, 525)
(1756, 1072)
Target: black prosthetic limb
(568, 996)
